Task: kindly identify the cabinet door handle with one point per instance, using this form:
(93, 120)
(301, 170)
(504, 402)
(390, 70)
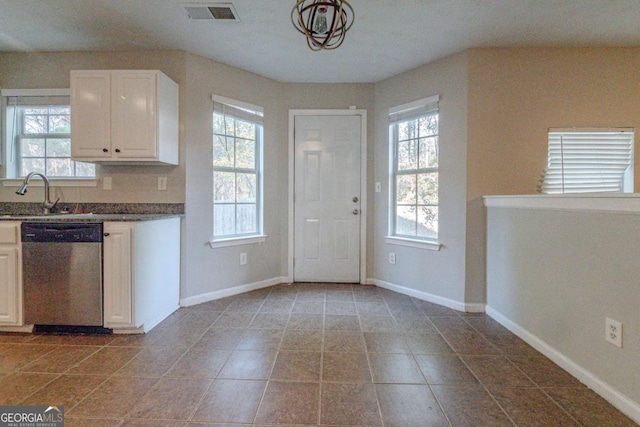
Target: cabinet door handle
(104, 150)
(106, 234)
(117, 150)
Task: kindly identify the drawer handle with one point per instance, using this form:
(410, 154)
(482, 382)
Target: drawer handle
(106, 234)
(117, 150)
(104, 150)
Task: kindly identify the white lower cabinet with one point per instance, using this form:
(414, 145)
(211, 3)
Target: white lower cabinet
(141, 273)
(10, 275)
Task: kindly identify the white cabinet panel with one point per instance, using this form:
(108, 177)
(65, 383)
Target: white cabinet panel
(134, 115)
(91, 115)
(10, 275)
(118, 279)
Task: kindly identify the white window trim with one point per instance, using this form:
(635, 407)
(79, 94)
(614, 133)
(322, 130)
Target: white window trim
(6, 93)
(35, 92)
(238, 241)
(57, 181)
(392, 238)
(414, 104)
(432, 245)
(238, 104)
(259, 236)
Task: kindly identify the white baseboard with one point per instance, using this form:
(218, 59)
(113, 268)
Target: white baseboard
(613, 396)
(425, 296)
(23, 329)
(222, 293)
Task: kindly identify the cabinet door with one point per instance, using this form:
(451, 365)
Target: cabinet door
(118, 279)
(90, 115)
(9, 287)
(134, 115)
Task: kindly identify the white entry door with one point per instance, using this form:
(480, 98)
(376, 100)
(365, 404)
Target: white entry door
(327, 198)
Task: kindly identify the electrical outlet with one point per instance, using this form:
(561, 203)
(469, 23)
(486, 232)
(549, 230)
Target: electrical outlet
(392, 257)
(243, 258)
(613, 332)
(378, 187)
(106, 183)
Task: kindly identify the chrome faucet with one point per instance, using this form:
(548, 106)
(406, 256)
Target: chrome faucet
(47, 204)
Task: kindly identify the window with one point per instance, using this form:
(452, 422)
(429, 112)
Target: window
(413, 134)
(237, 169)
(39, 138)
(589, 160)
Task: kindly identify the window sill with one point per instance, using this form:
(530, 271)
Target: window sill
(237, 241)
(54, 182)
(413, 243)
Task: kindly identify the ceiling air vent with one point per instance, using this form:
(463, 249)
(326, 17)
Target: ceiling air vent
(211, 11)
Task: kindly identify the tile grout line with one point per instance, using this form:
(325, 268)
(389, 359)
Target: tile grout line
(58, 377)
(506, 356)
(275, 359)
(162, 376)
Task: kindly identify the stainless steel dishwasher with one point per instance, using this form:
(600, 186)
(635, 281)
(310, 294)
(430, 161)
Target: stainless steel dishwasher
(62, 273)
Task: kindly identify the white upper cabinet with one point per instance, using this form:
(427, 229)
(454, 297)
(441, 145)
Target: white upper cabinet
(124, 117)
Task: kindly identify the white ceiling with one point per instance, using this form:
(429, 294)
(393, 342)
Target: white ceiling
(388, 37)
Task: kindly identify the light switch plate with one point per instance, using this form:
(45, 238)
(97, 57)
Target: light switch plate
(106, 183)
(162, 183)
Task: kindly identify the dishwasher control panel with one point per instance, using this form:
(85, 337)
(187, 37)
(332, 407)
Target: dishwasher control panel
(61, 232)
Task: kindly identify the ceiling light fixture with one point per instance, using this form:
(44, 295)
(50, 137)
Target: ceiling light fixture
(324, 22)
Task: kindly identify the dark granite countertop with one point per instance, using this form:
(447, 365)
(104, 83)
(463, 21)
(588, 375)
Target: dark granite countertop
(91, 212)
(86, 217)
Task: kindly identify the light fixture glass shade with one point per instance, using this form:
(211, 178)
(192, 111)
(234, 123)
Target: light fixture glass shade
(323, 22)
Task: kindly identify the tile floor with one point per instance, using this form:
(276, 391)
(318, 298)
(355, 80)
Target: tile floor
(306, 354)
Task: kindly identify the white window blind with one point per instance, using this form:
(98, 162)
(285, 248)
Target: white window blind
(589, 160)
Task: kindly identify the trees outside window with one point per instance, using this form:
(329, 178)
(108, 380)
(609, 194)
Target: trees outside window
(414, 172)
(237, 140)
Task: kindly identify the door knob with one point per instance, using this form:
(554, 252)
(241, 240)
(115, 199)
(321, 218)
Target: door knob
(355, 199)
(356, 211)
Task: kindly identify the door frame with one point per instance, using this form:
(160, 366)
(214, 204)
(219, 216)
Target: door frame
(363, 183)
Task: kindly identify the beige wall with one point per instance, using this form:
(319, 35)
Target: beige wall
(130, 184)
(515, 95)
